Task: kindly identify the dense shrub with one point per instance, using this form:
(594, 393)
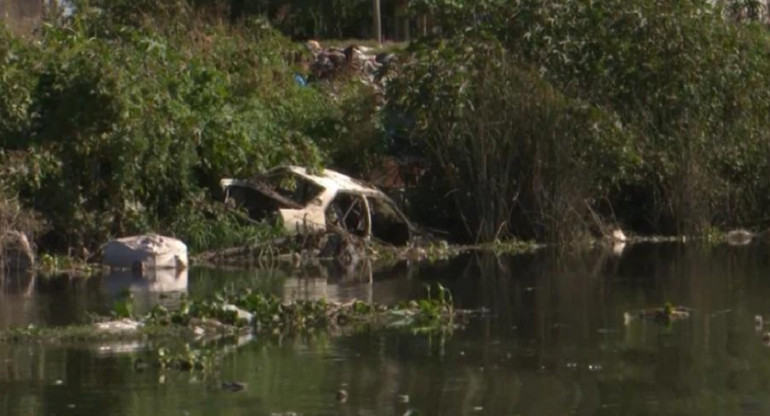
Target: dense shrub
(125, 121)
(537, 118)
(681, 82)
(686, 79)
(515, 155)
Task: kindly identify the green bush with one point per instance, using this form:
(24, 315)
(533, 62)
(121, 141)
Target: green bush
(515, 155)
(682, 83)
(121, 123)
(686, 79)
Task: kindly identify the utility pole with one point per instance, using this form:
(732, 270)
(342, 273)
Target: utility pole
(377, 21)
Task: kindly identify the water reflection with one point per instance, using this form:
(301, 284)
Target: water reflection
(386, 285)
(60, 300)
(566, 313)
(30, 299)
(164, 287)
(553, 342)
(617, 248)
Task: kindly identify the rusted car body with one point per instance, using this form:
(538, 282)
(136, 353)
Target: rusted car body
(308, 202)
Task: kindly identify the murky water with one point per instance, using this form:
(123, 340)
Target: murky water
(554, 342)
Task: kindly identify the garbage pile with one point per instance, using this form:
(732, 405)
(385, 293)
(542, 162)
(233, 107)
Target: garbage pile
(332, 63)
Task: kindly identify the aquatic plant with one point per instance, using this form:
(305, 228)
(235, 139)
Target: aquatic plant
(74, 265)
(664, 316)
(123, 306)
(195, 336)
(188, 358)
(268, 314)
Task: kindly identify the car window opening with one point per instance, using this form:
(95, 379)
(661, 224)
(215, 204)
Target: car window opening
(348, 212)
(388, 224)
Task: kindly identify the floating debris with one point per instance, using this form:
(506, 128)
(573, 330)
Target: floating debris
(192, 337)
(594, 367)
(665, 315)
(342, 395)
(739, 237)
(240, 314)
(119, 347)
(233, 386)
(618, 236)
(121, 325)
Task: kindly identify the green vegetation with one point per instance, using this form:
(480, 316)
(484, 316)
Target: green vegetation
(191, 337)
(537, 120)
(503, 141)
(231, 313)
(270, 315)
(123, 118)
(544, 116)
(53, 264)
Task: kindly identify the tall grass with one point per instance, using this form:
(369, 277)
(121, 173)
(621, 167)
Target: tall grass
(646, 113)
(517, 157)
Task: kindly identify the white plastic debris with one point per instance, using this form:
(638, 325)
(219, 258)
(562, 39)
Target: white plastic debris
(122, 325)
(240, 313)
(146, 252)
(120, 347)
(739, 237)
(618, 236)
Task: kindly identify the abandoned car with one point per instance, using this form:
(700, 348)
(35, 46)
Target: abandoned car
(306, 202)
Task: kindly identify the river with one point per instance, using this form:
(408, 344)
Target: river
(552, 341)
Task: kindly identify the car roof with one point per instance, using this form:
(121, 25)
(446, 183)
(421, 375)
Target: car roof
(334, 180)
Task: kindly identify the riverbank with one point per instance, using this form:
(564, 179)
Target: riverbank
(91, 150)
(350, 252)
